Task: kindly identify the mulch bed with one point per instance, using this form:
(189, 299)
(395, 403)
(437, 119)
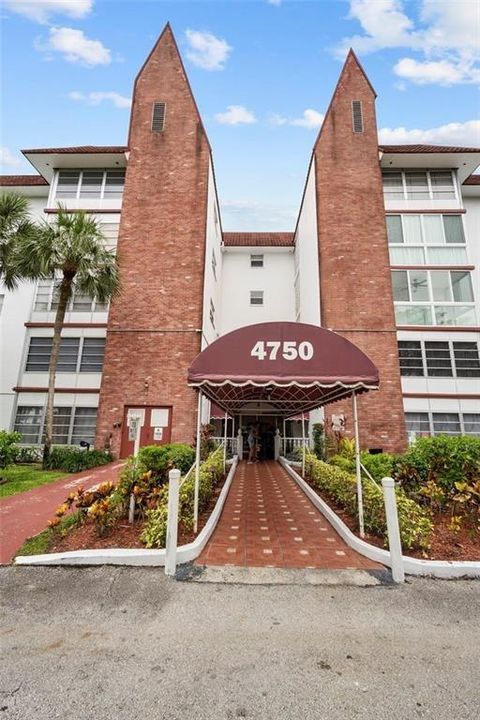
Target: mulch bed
(445, 544)
(124, 535)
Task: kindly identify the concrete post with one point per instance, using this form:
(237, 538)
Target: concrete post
(277, 441)
(303, 441)
(393, 529)
(240, 444)
(172, 522)
(225, 443)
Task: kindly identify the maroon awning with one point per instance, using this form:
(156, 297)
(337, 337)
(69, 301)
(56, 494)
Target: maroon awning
(291, 366)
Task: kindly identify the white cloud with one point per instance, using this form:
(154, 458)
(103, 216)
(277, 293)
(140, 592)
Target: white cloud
(462, 134)
(446, 37)
(8, 158)
(236, 115)
(75, 47)
(206, 50)
(440, 72)
(95, 98)
(41, 10)
(310, 119)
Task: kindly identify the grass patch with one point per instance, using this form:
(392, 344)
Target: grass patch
(41, 543)
(21, 478)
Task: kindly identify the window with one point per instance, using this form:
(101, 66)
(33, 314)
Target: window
(84, 425)
(93, 350)
(89, 184)
(418, 184)
(467, 360)
(214, 264)
(212, 313)
(46, 299)
(438, 358)
(158, 117)
(417, 423)
(411, 360)
(426, 239)
(435, 288)
(29, 422)
(357, 116)
(428, 423)
(256, 297)
(256, 261)
(89, 352)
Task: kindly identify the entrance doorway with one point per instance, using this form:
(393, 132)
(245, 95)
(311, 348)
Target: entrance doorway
(155, 427)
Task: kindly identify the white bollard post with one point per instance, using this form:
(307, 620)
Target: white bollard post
(197, 463)
(172, 522)
(358, 471)
(393, 529)
(240, 444)
(277, 441)
(225, 443)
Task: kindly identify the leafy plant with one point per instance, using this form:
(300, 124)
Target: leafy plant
(154, 533)
(159, 459)
(8, 447)
(379, 465)
(27, 455)
(72, 459)
(444, 459)
(94, 505)
(415, 523)
(318, 433)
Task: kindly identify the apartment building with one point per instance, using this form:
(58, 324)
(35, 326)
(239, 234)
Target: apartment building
(385, 252)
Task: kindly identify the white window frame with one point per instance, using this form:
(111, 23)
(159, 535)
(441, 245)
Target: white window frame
(404, 171)
(431, 303)
(78, 364)
(80, 182)
(453, 362)
(257, 258)
(431, 413)
(257, 295)
(423, 245)
(70, 306)
(73, 409)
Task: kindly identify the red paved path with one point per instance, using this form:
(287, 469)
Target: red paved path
(267, 521)
(27, 514)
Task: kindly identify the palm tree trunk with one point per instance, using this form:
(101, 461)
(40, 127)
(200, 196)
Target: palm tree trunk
(64, 297)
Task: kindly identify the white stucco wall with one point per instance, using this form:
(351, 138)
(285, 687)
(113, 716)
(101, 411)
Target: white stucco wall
(472, 230)
(275, 278)
(16, 311)
(307, 276)
(212, 279)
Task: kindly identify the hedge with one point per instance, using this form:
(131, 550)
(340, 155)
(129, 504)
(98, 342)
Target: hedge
(72, 459)
(159, 459)
(155, 531)
(415, 524)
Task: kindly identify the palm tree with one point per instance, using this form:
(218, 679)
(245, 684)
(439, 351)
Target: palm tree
(71, 249)
(14, 225)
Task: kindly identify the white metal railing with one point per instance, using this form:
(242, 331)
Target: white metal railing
(230, 444)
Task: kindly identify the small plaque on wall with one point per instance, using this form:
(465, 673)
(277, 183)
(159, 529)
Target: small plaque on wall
(158, 433)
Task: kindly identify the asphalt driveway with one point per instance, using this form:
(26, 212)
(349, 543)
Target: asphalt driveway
(125, 643)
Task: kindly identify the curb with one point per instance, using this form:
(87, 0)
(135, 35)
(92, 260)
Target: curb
(137, 556)
(443, 569)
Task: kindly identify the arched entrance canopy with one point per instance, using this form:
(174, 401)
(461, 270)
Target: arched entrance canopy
(292, 366)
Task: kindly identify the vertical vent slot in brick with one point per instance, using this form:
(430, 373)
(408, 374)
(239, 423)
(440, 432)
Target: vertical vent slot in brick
(357, 116)
(158, 117)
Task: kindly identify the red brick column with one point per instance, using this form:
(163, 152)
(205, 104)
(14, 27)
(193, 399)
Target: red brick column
(153, 327)
(355, 283)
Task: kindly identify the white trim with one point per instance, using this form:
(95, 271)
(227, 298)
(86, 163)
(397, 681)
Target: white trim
(446, 569)
(292, 383)
(139, 557)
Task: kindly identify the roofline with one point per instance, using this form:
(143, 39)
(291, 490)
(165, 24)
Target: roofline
(29, 180)
(78, 150)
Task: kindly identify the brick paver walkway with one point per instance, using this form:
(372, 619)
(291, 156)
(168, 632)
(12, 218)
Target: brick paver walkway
(28, 513)
(267, 521)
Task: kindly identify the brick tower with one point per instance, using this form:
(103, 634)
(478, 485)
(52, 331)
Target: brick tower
(154, 324)
(355, 284)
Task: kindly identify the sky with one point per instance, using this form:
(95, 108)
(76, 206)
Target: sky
(262, 72)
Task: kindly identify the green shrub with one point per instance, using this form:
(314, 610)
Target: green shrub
(444, 459)
(415, 523)
(379, 466)
(27, 455)
(155, 531)
(318, 432)
(8, 447)
(159, 459)
(72, 459)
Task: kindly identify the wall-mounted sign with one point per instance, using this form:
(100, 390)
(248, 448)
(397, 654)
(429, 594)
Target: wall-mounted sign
(134, 427)
(158, 433)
